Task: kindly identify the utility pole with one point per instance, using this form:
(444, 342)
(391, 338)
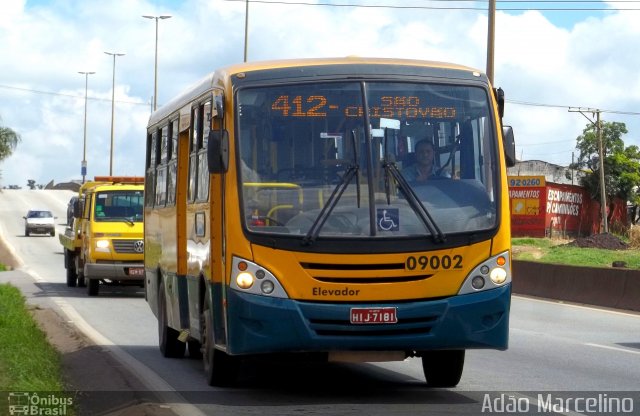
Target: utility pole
(491, 39)
(83, 165)
(603, 194)
(246, 31)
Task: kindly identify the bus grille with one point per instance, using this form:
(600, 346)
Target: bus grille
(128, 246)
(378, 273)
(333, 320)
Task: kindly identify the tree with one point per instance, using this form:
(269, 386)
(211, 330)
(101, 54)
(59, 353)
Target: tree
(9, 139)
(621, 165)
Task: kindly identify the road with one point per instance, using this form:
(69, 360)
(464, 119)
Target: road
(564, 349)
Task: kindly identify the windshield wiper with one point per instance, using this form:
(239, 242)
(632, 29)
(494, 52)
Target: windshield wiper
(123, 219)
(390, 168)
(352, 170)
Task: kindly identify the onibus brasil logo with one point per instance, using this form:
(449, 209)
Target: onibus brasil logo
(38, 403)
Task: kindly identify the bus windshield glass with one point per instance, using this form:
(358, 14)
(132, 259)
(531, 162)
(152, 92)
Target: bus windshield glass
(366, 159)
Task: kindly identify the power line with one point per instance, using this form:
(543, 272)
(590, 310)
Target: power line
(514, 9)
(517, 102)
(532, 104)
(9, 87)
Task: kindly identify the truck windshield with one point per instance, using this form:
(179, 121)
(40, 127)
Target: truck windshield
(119, 206)
(366, 159)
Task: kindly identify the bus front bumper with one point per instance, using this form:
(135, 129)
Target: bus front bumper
(259, 324)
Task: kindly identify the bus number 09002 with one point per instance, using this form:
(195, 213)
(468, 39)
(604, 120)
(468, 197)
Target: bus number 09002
(434, 262)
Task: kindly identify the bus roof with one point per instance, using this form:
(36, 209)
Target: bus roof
(292, 63)
(220, 75)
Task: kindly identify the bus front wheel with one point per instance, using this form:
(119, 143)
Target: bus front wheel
(443, 368)
(220, 368)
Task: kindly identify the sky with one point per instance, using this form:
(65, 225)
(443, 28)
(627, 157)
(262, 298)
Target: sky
(547, 62)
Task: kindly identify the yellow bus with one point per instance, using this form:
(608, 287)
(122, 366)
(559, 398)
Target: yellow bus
(281, 215)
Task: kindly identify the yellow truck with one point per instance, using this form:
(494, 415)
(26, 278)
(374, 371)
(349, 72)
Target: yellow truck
(105, 242)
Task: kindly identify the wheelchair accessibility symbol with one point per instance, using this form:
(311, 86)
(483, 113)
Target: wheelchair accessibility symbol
(388, 219)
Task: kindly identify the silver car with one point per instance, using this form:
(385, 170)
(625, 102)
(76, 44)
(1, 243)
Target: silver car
(39, 222)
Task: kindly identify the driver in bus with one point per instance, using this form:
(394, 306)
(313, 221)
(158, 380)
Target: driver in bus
(423, 168)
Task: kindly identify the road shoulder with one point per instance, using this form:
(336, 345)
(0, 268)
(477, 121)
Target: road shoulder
(99, 382)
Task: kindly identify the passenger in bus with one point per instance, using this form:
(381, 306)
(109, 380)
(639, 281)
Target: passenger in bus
(423, 168)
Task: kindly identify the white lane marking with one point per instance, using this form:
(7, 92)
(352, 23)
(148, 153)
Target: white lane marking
(608, 347)
(573, 305)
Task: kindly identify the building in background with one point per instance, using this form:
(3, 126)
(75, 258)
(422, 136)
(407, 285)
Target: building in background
(545, 203)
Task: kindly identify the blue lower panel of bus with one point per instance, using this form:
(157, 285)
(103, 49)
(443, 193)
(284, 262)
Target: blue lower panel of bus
(259, 324)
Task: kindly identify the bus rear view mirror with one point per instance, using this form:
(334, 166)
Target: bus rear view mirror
(509, 144)
(218, 151)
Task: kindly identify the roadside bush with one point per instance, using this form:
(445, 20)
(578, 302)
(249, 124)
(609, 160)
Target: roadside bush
(634, 236)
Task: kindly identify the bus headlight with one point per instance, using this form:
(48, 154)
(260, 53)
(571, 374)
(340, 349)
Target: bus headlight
(244, 280)
(245, 274)
(490, 274)
(498, 276)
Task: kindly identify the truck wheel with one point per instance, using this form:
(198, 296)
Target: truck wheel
(82, 282)
(72, 277)
(220, 368)
(195, 349)
(79, 270)
(443, 368)
(70, 265)
(93, 287)
(170, 346)
(26, 232)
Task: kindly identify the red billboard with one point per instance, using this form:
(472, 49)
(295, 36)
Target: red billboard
(540, 208)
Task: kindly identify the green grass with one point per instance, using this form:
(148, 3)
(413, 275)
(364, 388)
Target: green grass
(553, 252)
(27, 361)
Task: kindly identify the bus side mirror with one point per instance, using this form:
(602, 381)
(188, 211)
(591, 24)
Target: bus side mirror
(499, 94)
(218, 151)
(509, 144)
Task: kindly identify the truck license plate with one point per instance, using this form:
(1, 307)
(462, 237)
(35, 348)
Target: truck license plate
(136, 271)
(374, 315)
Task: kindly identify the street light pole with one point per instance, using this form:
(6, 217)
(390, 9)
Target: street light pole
(83, 167)
(113, 97)
(155, 66)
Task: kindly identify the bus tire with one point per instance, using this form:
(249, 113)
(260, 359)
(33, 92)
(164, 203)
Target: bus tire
(220, 368)
(93, 287)
(443, 368)
(170, 345)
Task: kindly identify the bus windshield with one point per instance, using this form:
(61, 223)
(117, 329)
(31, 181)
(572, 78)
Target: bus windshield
(367, 159)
